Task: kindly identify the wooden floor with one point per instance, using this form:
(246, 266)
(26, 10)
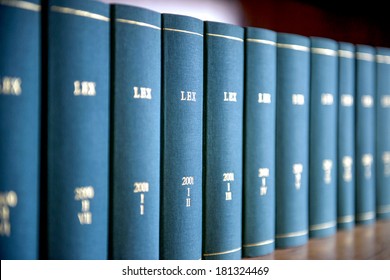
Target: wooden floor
(362, 243)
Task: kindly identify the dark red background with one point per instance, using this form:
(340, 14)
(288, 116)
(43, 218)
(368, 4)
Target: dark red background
(350, 21)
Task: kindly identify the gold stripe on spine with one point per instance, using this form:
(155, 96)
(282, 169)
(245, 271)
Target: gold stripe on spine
(21, 5)
(383, 209)
(262, 243)
(70, 11)
(293, 47)
(324, 51)
(380, 58)
(365, 56)
(222, 253)
(182, 31)
(292, 234)
(346, 54)
(260, 41)
(225, 37)
(346, 219)
(140, 23)
(323, 226)
(365, 216)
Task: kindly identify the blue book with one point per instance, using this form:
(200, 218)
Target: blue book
(383, 133)
(181, 209)
(292, 140)
(346, 137)
(20, 96)
(78, 129)
(259, 137)
(365, 134)
(224, 89)
(323, 137)
(135, 131)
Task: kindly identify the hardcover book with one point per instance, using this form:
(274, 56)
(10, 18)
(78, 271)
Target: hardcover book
(346, 137)
(78, 129)
(20, 96)
(292, 140)
(259, 139)
(135, 132)
(181, 212)
(383, 133)
(224, 86)
(365, 134)
(323, 137)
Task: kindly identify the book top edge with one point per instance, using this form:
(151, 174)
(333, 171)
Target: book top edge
(383, 51)
(260, 34)
(224, 30)
(134, 14)
(76, 7)
(30, 5)
(182, 23)
(346, 46)
(293, 41)
(326, 43)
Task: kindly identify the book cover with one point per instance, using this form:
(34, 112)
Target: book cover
(365, 134)
(346, 137)
(20, 96)
(259, 139)
(383, 133)
(135, 132)
(292, 140)
(224, 89)
(181, 209)
(323, 137)
(78, 129)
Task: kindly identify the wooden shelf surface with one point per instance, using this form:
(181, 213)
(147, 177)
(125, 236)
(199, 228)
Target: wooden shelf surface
(364, 242)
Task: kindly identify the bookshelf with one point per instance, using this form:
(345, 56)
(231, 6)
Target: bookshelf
(368, 242)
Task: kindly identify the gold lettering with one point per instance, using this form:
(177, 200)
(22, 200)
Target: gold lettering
(346, 100)
(367, 101)
(84, 194)
(298, 99)
(187, 181)
(142, 93)
(385, 101)
(228, 176)
(11, 86)
(188, 96)
(84, 88)
(141, 187)
(264, 98)
(7, 200)
(386, 163)
(230, 96)
(347, 165)
(326, 99)
(367, 162)
(297, 171)
(263, 174)
(327, 167)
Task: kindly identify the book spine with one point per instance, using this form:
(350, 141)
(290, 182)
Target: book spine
(224, 88)
(19, 128)
(78, 129)
(259, 139)
(365, 134)
(292, 140)
(181, 214)
(135, 130)
(346, 137)
(383, 133)
(323, 137)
